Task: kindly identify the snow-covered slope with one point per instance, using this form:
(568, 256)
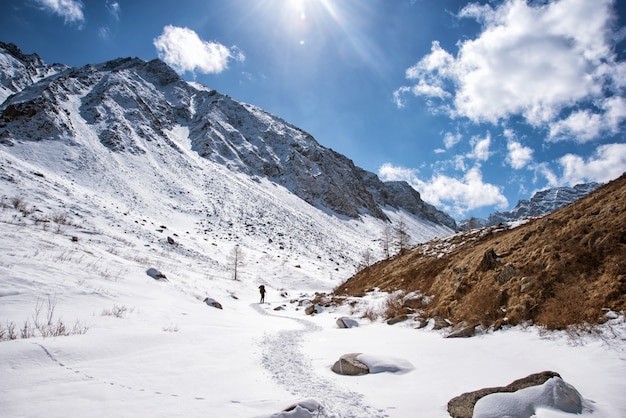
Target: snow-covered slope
(129, 106)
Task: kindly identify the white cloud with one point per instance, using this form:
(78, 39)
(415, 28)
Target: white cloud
(451, 139)
(114, 8)
(608, 163)
(70, 10)
(528, 60)
(183, 49)
(519, 156)
(480, 148)
(456, 196)
(104, 32)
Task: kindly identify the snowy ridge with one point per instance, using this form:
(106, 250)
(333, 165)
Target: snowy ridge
(541, 203)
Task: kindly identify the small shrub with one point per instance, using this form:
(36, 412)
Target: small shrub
(116, 311)
(393, 306)
(171, 328)
(371, 314)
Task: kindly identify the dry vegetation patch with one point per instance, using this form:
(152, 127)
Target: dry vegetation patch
(565, 268)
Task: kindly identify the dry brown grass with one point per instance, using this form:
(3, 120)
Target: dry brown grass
(562, 269)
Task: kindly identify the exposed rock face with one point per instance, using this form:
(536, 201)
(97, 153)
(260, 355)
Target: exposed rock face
(348, 365)
(20, 70)
(133, 105)
(463, 406)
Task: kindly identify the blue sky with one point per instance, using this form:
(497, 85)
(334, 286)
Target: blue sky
(476, 104)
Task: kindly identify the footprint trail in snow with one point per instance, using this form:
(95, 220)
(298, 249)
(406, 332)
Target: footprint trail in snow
(288, 366)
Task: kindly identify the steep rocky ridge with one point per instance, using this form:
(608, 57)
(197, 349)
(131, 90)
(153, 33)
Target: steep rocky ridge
(565, 268)
(133, 105)
(19, 70)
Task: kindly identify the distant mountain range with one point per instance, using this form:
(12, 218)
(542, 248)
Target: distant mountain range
(541, 203)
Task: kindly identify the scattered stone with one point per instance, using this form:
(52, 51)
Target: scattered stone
(303, 408)
(345, 322)
(74, 238)
(348, 365)
(507, 273)
(156, 274)
(462, 330)
(170, 240)
(440, 323)
(489, 261)
(213, 303)
(310, 310)
(463, 406)
(397, 319)
(280, 308)
(413, 303)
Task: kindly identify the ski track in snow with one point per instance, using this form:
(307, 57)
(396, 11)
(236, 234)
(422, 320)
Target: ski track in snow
(292, 369)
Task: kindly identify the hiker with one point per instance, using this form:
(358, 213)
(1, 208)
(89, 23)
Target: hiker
(262, 290)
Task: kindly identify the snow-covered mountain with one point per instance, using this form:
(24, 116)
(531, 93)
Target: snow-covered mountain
(541, 203)
(133, 137)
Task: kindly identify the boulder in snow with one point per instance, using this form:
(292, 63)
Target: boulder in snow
(554, 394)
(213, 303)
(307, 408)
(348, 365)
(381, 364)
(156, 274)
(397, 319)
(345, 322)
(463, 406)
(462, 330)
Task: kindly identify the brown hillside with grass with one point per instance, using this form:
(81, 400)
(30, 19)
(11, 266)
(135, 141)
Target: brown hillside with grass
(566, 268)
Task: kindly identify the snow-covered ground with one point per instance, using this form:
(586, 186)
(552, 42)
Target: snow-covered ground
(151, 347)
(76, 255)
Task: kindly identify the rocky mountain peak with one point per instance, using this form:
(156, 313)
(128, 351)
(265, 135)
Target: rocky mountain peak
(128, 105)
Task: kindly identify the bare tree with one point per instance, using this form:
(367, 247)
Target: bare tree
(386, 240)
(366, 260)
(402, 237)
(237, 261)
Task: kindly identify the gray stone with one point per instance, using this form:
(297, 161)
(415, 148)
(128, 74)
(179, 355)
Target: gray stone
(348, 365)
(345, 322)
(489, 261)
(463, 406)
(213, 303)
(440, 323)
(462, 330)
(397, 319)
(155, 274)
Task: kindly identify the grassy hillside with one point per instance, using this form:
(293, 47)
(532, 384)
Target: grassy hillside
(568, 267)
